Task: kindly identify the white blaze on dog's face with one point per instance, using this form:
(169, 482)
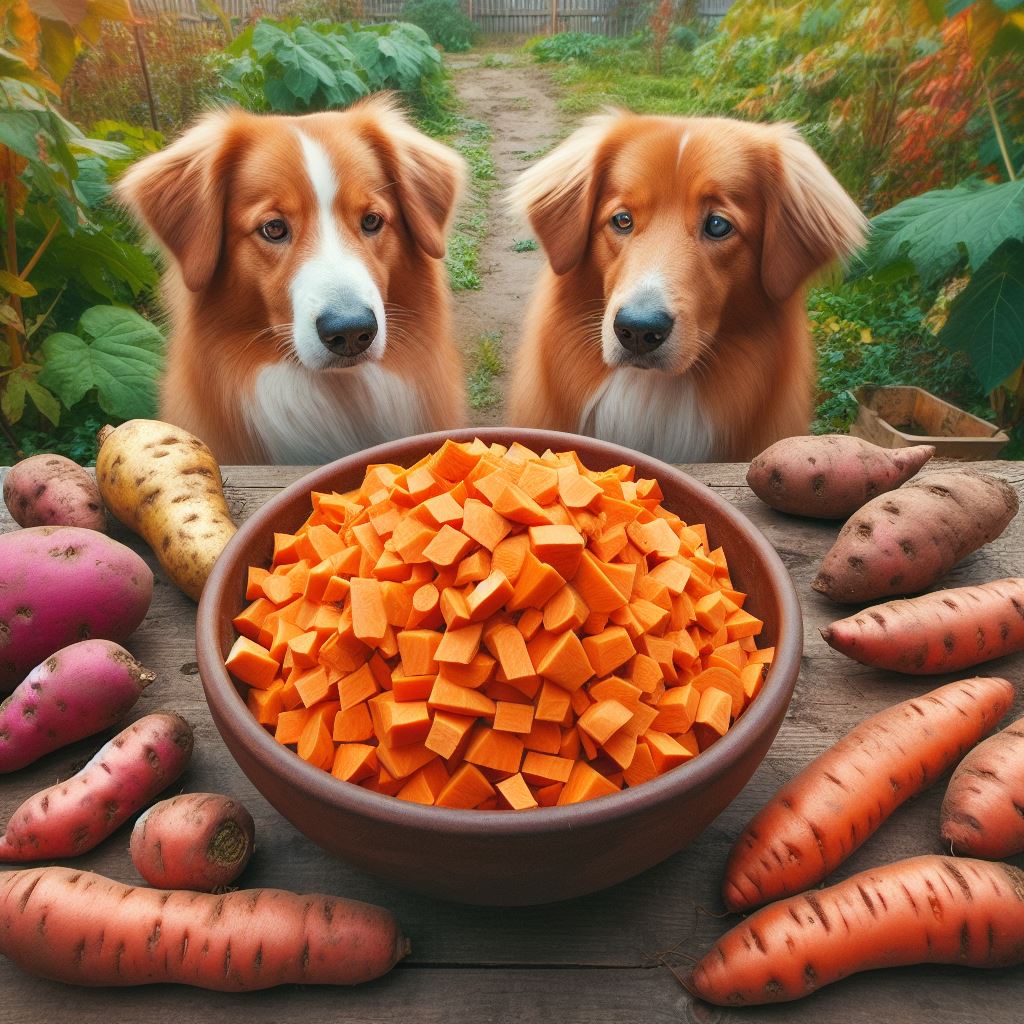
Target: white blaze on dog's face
(338, 312)
(694, 227)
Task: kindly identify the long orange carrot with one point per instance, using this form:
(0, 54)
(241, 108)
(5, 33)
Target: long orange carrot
(924, 910)
(820, 817)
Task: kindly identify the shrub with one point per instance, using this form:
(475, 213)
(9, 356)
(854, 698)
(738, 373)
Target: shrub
(443, 20)
(290, 68)
(567, 46)
(107, 81)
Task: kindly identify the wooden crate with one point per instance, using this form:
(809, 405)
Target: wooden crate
(897, 417)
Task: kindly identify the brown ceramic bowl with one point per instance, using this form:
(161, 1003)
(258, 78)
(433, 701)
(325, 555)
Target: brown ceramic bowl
(504, 858)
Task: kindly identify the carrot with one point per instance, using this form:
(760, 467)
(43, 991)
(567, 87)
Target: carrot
(100, 932)
(944, 631)
(981, 811)
(923, 910)
(815, 821)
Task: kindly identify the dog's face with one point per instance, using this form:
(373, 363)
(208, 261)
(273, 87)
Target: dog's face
(304, 221)
(694, 226)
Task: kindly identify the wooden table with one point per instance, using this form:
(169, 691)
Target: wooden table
(595, 960)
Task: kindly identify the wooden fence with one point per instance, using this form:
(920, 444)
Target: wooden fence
(508, 17)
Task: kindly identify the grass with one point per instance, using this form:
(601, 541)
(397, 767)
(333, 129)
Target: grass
(525, 245)
(485, 367)
(472, 140)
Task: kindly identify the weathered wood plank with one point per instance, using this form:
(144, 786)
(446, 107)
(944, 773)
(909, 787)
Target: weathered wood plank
(937, 995)
(616, 933)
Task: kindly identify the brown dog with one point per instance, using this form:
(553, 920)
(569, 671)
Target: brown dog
(671, 317)
(308, 300)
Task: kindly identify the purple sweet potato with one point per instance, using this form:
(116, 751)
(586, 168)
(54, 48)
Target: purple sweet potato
(199, 841)
(62, 584)
(125, 775)
(904, 541)
(830, 476)
(50, 490)
(80, 690)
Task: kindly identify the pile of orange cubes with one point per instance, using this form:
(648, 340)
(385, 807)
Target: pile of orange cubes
(496, 628)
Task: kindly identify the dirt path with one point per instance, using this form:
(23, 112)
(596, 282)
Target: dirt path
(516, 100)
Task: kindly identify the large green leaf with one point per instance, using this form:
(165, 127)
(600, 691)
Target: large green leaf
(987, 319)
(933, 231)
(120, 355)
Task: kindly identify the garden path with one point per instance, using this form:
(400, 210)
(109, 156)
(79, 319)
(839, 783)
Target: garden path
(517, 101)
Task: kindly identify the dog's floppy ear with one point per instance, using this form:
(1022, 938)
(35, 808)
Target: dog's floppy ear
(809, 220)
(558, 194)
(179, 195)
(429, 176)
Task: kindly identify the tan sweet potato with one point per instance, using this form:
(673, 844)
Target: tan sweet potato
(831, 475)
(983, 810)
(50, 490)
(165, 484)
(904, 541)
(944, 631)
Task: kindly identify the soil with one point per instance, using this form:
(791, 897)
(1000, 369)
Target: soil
(517, 100)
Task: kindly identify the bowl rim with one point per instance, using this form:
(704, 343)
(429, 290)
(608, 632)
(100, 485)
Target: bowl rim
(228, 706)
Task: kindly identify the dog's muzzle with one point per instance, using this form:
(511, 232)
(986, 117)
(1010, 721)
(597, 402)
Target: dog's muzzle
(642, 329)
(347, 333)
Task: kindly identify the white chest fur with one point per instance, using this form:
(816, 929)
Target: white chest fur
(306, 417)
(652, 412)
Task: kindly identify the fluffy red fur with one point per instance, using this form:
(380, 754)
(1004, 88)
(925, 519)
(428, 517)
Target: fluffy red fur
(229, 293)
(735, 372)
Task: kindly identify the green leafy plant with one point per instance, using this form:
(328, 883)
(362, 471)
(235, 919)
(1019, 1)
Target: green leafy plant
(869, 333)
(289, 67)
(975, 227)
(571, 46)
(525, 245)
(443, 20)
(115, 356)
(63, 246)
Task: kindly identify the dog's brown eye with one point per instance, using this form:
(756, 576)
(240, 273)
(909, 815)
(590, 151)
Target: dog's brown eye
(372, 223)
(622, 222)
(275, 230)
(717, 226)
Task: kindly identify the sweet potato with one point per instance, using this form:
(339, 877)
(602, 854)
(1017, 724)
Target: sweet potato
(193, 841)
(983, 810)
(902, 542)
(830, 476)
(165, 484)
(50, 490)
(62, 584)
(933, 910)
(817, 819)
(945, 631)
(84, 929)
(73, 816)
(76, 692)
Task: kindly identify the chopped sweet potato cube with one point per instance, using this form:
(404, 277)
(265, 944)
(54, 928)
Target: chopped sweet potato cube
(517, 793)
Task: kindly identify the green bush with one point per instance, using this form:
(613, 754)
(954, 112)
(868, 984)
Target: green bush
(566, 46)
(443, 20)
(290, 68)
(872, 334)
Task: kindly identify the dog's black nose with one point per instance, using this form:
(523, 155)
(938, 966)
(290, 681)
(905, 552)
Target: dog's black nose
(348, 333)
(642, 330)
